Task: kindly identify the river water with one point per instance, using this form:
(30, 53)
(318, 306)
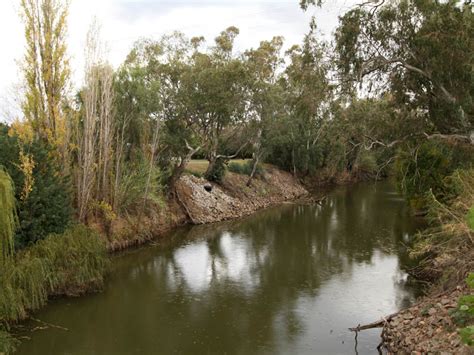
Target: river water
(287, 280)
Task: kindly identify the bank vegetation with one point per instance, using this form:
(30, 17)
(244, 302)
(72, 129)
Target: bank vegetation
(392, 94)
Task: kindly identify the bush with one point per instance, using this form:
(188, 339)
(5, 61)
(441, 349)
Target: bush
(446, 249)
(426, 167)
(131, 191)
(245, 168)
(48, 207)
(217, 173)
(366, 162)
(68, 263)
(236, 168)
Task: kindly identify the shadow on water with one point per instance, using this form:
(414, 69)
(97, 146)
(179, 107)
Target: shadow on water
(287, 279)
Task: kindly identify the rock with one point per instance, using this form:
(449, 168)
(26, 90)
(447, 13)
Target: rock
(208, 187)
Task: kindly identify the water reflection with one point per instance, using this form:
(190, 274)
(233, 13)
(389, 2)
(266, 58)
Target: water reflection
(289, 279)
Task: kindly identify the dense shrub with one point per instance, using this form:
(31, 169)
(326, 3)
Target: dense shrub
(446, 249)
(366, 162)
(217, 173)
(48, 207)
(132, 188)
(426, 168)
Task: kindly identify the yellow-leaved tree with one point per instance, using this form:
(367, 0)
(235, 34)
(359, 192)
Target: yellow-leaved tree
(46, 70)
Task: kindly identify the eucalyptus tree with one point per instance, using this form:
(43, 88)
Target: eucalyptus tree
(180, 139)
(218, 96)
(265, 95)
(307, 101)
(422, 52)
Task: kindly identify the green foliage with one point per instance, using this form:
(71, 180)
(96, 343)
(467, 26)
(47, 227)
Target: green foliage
(470, 218)
(467, 335)
(470, 280)
(245, 168)
(132, 188)
(366, 162)
(421, 50)
(464, 314)
(67, 263)
(425, 168)
(446, 247)
(7, 343)
(8, 217)
(48, 208)
(217, 172)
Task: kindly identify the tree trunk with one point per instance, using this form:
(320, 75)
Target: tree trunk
(179, 170)
(256, 160)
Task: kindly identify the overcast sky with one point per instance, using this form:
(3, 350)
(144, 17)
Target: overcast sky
(125, 21)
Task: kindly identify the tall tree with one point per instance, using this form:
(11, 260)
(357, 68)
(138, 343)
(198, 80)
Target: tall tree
(96, 131)
(218, 97)
(266, 95)
(46, 69)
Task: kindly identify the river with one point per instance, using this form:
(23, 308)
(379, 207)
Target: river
(287, 280)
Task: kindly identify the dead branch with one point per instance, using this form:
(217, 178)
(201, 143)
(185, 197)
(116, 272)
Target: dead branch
(377, 324)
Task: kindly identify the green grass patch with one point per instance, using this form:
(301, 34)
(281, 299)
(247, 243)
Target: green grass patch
(470, 218)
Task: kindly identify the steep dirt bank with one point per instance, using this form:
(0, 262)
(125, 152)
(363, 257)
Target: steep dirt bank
(232, 198)
(195, 205)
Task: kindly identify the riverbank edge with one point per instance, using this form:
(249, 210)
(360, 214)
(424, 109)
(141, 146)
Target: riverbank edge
(443, 320)
(193, 204)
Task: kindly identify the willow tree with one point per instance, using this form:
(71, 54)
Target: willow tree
(8, 217)
(46, 68)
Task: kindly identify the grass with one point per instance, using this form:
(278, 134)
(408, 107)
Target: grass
(199, 166)
(68, 263)
(446, 248)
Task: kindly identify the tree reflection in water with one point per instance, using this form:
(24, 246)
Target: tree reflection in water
(288, 279)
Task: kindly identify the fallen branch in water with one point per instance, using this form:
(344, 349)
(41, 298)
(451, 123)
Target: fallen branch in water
(48, 325)
(377, 324)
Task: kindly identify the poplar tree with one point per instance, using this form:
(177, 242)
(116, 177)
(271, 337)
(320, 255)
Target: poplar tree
(45, 68)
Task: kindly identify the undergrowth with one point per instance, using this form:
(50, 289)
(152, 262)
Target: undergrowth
(69, 263)
(446, 248)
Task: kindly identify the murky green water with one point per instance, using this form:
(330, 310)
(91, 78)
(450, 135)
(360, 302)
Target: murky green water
(288, 280)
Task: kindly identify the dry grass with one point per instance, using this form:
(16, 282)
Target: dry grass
(447, 248)
(199, 166)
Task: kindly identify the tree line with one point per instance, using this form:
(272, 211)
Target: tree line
(391, 92)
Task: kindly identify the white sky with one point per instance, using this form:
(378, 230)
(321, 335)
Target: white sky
(125, 21)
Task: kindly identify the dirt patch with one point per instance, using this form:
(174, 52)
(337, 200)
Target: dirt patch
(233, 198)
(427, 327)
